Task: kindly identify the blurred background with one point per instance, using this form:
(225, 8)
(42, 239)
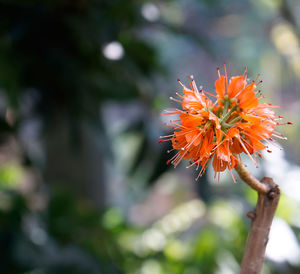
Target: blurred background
(84, 185)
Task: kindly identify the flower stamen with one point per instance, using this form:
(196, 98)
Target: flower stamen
(220, 131)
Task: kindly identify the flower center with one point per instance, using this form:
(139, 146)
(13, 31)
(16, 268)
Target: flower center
(230, 106)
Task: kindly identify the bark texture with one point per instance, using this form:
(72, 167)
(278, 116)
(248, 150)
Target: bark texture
(261, 220)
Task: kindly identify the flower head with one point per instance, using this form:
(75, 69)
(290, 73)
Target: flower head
(219, 132)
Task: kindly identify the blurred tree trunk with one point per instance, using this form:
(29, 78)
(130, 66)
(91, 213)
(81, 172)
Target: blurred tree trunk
(79, 165)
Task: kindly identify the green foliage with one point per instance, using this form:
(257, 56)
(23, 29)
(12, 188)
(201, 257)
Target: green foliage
(10, 175)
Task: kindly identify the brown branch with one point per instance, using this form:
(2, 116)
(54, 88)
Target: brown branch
(250, 180)
(261, 220)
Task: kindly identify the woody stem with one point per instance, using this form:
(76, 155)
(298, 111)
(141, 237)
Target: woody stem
(250, 180)
(261, 220)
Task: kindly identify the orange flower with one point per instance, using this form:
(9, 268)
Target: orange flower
(235, 123)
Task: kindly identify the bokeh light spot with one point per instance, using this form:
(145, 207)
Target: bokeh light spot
(113, 51)
(150, 12)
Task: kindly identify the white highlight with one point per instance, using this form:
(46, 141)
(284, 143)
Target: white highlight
(284, 173)
(113, 51)
(283, 245)
(150, 12)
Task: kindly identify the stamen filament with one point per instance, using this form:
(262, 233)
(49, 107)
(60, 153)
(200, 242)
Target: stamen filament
(224, 119)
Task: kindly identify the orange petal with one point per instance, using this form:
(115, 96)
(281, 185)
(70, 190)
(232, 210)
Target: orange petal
(218, 164)
(247, 98)
(236, 84)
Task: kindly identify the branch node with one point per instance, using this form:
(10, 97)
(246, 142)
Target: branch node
(272, 194)
(274, 188)
(251, 215)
